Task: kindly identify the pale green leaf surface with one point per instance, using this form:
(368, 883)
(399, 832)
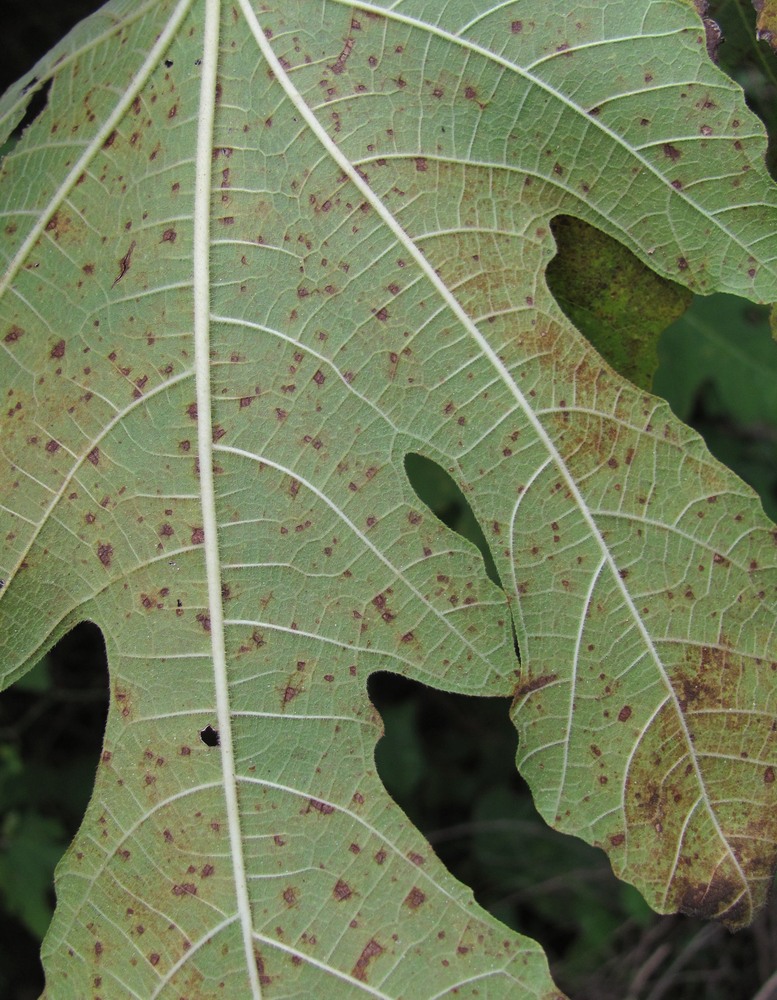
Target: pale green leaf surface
(242, 280)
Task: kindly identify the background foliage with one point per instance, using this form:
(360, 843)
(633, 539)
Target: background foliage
(447, 759)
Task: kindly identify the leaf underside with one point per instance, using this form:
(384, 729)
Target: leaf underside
(252, 259)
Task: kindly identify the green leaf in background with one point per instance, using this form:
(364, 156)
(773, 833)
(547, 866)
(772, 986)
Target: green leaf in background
(31, 847)
(254, 257)
(749, 60)
(725, 341)
(613, 298)
(719, 368)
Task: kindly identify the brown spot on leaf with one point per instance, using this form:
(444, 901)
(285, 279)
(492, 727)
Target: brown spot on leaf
(534, 684)
(371, 950)
(322, 807)
(342, 891)
(415, 898)
(721, 898)
(185, 889)
(625, 714)
(124, 264)
(105, 553)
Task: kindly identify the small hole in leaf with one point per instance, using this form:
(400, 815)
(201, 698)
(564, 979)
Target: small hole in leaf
(437, 489)
(210, 736)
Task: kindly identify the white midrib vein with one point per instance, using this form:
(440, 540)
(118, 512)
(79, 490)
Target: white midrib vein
(347, 167)
(201, 255)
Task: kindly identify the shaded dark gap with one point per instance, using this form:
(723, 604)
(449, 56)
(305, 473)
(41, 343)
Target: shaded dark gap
(449, 762)
(31, 29)
(718, 368)
(749, 449)
(438, 491)
(52, 723)
(35, 108)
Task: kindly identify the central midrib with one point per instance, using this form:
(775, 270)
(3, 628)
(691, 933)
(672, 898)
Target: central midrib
(202, 364)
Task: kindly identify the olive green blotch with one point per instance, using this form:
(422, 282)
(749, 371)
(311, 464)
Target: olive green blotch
(614, 299)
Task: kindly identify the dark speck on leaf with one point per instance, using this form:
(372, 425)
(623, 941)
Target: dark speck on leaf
(342, 891)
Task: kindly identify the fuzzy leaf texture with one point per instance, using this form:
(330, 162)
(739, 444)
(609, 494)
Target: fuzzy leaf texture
(254, 255)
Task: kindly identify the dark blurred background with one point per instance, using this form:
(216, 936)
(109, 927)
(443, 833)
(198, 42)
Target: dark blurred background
(446, 759)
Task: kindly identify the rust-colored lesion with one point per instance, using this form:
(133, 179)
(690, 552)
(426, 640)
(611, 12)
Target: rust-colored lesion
(531, 684)
(700, 808)
(339, 64)
(124, 264)
(371, 950)
(723, 898)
